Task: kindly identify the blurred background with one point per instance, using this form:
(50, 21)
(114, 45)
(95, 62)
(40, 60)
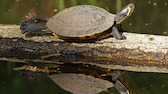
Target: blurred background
(149, 17)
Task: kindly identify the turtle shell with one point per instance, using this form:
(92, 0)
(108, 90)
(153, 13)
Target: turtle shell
(81, 84)
(81, 21)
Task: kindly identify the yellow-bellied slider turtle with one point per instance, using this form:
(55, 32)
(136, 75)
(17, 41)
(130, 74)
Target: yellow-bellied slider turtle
(79, 78)
(82, 22)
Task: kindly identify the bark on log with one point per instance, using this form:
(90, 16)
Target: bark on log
(139, 52)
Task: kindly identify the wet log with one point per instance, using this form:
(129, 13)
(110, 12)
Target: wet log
(139, 52)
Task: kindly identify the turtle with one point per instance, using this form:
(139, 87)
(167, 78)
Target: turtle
(81, 22)
(79, 78)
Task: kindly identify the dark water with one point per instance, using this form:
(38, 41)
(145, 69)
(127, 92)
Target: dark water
(150, 16)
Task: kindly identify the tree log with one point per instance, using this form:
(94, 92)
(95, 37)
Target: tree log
(139, 52)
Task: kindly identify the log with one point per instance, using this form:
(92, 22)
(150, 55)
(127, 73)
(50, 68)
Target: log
(139, 52)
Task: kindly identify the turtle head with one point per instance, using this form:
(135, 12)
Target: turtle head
(124, 13)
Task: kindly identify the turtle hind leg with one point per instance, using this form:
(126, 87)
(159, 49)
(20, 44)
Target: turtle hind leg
(27, 27)
(31, 24)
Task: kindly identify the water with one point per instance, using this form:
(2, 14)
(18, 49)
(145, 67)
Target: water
(12, 82)
(150, 16)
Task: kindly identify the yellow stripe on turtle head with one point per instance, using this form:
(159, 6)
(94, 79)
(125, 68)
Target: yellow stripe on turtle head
(130, 9)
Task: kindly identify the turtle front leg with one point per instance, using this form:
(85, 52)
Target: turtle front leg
(117, 34)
